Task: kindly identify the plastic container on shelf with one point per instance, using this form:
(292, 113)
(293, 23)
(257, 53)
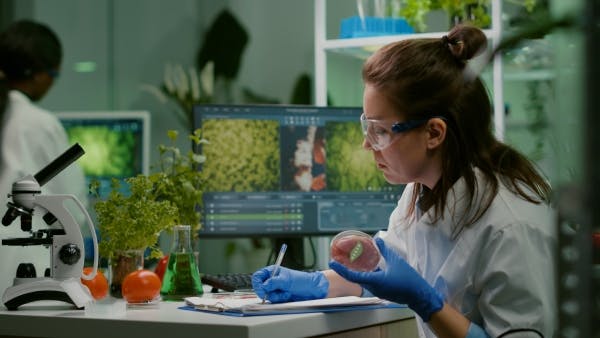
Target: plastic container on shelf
(357, 27)
(356, 250)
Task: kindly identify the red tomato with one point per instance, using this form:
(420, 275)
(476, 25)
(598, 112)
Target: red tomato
(161, 267)
(140, 286)
(98, 286)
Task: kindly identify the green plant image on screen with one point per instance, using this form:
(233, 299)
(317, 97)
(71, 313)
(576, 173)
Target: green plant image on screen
(349, 166)
(107, 152)
(243, 155)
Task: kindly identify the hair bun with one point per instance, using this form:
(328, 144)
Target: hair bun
(465, 42)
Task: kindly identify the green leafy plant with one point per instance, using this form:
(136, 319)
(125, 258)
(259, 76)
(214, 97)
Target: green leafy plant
(414, 12)
(133, 222)
(157, 202)
(475, 12)
(182, 181)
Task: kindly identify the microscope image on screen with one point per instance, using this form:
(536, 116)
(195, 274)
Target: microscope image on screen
(243, 155)
(117, 145)
(110, 153)
(303, 158)
(350, 168)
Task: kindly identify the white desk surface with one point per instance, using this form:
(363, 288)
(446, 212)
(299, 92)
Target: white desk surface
(167, 321)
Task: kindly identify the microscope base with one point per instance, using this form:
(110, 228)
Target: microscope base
(14, 303)
(69, 291)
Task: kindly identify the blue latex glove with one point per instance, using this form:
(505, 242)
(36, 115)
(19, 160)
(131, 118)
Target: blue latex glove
(399, 283)
(289, 285)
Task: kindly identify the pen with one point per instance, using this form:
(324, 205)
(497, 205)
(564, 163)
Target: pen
(277, 264)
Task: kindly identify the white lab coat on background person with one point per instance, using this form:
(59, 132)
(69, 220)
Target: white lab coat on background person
(31, 138)
(505, 256)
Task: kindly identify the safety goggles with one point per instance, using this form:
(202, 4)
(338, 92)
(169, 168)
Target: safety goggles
(379, 136)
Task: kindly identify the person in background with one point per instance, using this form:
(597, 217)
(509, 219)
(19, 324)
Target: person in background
(470, 246)
(31, 137)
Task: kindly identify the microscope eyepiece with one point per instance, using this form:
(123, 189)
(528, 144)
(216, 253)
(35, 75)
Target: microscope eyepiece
(59, 164)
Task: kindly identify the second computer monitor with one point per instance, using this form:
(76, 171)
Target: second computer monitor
(289, 170)
(116, 144)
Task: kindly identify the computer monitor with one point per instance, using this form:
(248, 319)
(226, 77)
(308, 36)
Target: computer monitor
(116, 144)
(277, 170)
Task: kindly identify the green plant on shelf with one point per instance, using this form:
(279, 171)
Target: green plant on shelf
(414, 12)
(476, 12)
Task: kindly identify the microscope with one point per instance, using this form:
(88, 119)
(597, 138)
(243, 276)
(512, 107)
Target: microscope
(62, 280)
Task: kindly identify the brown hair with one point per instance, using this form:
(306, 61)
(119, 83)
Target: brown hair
(426, 77)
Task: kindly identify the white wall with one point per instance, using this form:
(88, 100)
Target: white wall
(281, 44)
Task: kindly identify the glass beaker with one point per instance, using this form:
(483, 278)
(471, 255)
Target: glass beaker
(120, 265)
(181, 278)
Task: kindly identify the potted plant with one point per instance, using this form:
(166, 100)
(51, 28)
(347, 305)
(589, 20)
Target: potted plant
(128, 225)
(131, 224)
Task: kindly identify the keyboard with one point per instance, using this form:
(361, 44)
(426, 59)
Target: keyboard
(228, 281)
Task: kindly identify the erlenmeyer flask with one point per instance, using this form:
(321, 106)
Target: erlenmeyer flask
(181, 278)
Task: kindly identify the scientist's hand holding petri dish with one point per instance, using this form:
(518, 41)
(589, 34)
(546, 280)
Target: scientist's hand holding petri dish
(356, 250)
(394, 280)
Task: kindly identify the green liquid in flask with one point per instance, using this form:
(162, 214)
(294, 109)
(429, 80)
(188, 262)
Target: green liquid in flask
(181, 278)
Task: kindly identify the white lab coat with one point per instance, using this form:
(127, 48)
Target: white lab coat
(31, 138)
(499, 272)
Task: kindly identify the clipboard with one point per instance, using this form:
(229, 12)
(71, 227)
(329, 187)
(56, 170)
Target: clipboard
(252, 306)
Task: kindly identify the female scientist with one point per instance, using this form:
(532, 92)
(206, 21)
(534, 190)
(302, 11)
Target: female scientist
(31, 137)
(470, 245)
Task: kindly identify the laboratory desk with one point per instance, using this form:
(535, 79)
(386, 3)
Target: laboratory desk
(167, 321)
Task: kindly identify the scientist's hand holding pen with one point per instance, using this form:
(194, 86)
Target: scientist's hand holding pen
(278, 284)
(275, 271)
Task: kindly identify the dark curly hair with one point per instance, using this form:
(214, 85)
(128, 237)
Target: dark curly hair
(28, 47)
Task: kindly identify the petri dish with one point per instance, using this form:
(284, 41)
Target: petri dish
(356, 250)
